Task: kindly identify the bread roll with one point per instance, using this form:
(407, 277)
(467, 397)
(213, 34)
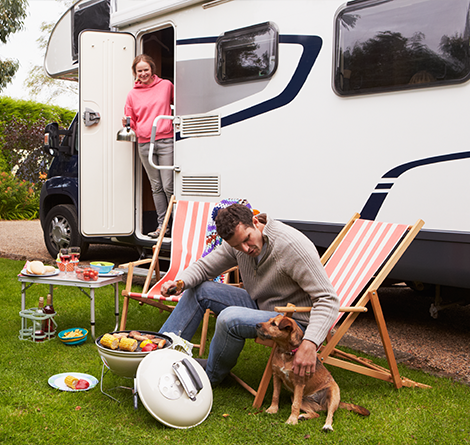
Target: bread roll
(50, 269)
(37, 268)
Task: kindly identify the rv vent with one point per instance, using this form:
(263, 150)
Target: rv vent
(195, 185)
(201, 125)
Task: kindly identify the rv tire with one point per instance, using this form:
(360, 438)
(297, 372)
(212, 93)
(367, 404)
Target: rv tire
(61, 230)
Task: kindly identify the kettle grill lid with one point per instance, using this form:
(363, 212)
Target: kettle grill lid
(174, 388)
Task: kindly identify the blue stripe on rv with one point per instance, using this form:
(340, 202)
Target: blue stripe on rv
(311, 48)
(376, 200)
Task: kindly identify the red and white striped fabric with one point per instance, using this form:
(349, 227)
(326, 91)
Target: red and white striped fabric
(188, 241)
(360, 254)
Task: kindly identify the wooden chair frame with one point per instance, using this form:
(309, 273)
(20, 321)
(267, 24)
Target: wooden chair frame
(328, 353)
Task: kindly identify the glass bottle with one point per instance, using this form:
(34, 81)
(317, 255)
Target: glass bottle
(48, 325)
(39, 332)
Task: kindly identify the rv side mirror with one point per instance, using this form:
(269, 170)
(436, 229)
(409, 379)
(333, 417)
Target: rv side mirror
(52, 144)
(51, 139)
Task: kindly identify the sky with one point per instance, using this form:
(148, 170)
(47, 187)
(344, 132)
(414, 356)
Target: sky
(23, 47)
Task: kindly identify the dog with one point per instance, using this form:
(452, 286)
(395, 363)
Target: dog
(312, 393)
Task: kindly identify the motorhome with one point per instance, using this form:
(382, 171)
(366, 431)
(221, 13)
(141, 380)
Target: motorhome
(312, 110)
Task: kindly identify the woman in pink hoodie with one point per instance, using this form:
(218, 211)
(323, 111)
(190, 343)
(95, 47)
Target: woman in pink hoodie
(152, 97)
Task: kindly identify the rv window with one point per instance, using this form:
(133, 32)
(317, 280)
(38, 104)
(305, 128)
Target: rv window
(247, 54)
(385, 45)
(94, 14)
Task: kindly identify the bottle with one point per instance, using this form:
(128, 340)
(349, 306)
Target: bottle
(48, 325)
(39, 332)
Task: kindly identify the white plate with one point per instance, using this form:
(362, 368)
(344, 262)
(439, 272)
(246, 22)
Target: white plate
(113, 273)
(49, 274)
(58, 381)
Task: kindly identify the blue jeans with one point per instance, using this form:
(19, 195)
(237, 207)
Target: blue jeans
(237, 317)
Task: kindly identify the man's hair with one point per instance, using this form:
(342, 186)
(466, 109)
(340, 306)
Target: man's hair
(144, 58)
(228, 219)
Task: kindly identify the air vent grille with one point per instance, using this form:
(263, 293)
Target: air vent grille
(201, 125)
(200, 185)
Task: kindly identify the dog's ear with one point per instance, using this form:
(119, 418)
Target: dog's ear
(285, 323)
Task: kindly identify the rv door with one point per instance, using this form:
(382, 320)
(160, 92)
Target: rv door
(106, 176)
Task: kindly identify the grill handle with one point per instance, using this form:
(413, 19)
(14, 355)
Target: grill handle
(188, 377)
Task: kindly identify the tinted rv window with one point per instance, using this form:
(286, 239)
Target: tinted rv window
(388, 45)
(247, 54)
(94, 14)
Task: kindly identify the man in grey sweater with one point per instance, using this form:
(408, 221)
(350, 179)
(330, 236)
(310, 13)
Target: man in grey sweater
(278, 265)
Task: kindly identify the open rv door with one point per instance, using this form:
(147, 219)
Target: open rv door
(106, 175)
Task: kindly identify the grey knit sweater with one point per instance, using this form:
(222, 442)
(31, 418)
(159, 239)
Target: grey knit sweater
(289, 272)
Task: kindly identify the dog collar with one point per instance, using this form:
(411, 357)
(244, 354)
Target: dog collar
(293, 351)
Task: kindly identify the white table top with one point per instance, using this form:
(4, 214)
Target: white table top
(69, 280)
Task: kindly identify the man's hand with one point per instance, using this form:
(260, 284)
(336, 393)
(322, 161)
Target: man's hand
(170, 285)
(305, 359)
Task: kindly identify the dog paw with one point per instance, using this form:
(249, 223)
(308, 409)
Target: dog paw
(272, 410)
(327, 428)
(292, 420)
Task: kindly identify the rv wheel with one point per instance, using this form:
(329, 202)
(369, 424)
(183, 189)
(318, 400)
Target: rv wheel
(61, 230)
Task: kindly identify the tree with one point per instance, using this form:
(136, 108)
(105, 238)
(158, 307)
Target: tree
(38, 81)
(21, 136)
(12, 15)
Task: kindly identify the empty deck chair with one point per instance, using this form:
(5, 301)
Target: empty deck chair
(357, 262)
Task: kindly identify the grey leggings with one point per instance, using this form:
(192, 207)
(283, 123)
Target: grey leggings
(161, 181)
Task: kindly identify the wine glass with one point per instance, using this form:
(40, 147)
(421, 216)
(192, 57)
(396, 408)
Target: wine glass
(74, 254)
(64, 256)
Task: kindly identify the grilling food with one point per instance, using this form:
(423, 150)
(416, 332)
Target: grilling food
(145, 343)
(149, 347)
(128, 344)
(109, 341)
(160, 343)
(130, 341)
(137, 335)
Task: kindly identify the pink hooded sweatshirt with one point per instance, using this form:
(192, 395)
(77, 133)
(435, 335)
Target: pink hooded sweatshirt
(144, 103)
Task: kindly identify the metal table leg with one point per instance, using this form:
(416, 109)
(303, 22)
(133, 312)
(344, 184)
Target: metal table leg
(24, 288)
(116, 304)
(91, 296)
(92, 309)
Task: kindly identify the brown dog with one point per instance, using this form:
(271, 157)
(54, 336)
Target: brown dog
(316, 392)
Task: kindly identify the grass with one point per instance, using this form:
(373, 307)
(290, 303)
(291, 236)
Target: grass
(31, 412)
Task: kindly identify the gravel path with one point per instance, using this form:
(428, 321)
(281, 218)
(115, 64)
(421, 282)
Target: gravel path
(439, 346)
(23, 240)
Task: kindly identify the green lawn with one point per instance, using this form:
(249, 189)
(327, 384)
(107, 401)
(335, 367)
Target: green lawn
(31, 412)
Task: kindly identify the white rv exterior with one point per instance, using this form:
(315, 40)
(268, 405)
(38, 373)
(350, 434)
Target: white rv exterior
(297, 143)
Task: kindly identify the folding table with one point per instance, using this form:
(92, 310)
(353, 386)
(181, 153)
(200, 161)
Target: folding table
(87, 287)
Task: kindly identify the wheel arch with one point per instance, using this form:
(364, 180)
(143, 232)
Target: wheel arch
(51, 200)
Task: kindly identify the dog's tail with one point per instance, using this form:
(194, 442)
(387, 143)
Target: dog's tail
(356, 408)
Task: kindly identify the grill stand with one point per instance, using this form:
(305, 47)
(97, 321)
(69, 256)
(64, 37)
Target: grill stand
(134, 390)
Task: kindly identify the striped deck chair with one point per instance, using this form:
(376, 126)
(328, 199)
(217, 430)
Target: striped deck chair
(188, 241)
(193, 236)
(357, 263)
